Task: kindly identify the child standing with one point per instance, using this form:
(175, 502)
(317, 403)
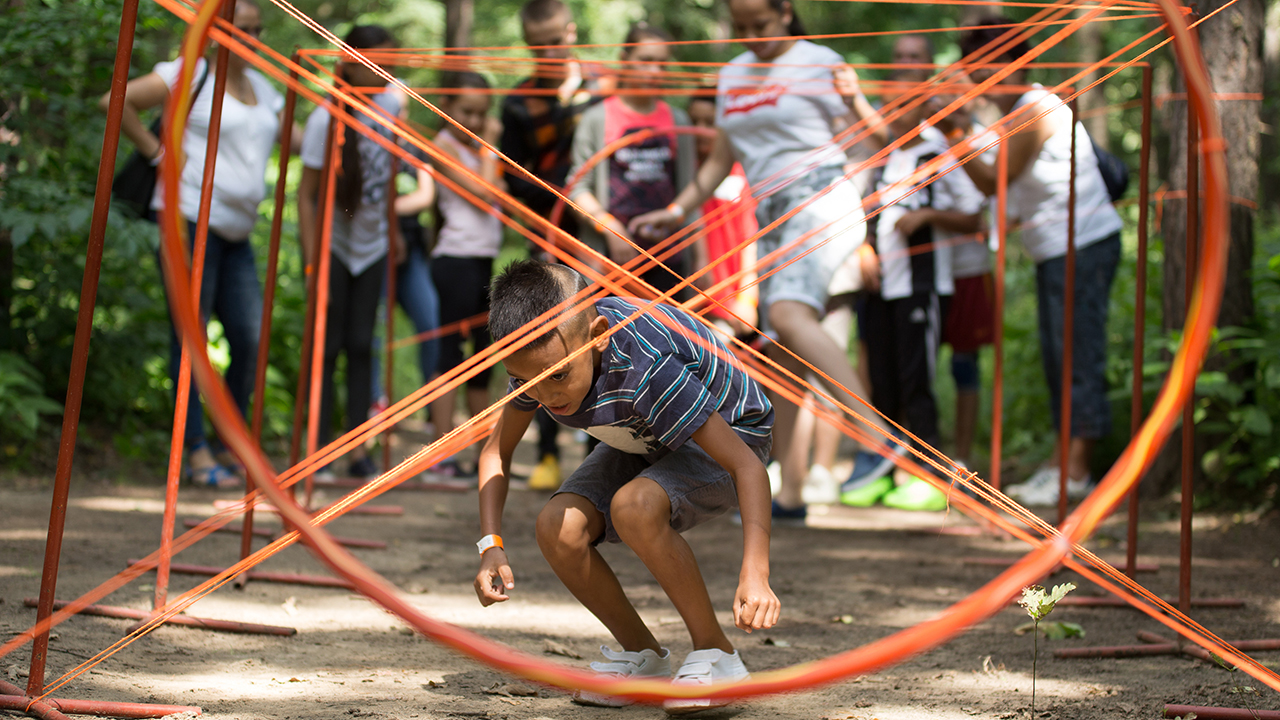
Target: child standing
(903, 320)
(640, 177)
(358, 240)
(470, 238)
(683, 433)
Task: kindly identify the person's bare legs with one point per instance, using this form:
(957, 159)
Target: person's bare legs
(785, 450)
(641, 513)
(795, 461)
(966, 422)
(799, 330)
(1079, 453)
(826, 443)
(566, 526)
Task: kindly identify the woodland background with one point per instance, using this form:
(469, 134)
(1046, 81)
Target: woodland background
(56, 59)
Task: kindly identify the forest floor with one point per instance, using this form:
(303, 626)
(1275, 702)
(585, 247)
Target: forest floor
(849, 578)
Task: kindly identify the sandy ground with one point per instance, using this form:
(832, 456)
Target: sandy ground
(853, 576)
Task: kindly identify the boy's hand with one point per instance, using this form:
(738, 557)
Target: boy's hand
(755, 606)
(492, 131)
(495, 578)
(845, 79)
(654, 225)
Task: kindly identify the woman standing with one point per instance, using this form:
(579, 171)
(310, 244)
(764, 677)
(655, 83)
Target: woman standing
(779, 106)
(250, 126)
(358, 240)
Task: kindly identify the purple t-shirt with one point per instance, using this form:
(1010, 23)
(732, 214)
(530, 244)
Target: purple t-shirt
(657, 385)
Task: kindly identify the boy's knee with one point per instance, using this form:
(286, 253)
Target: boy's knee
(564, 526)
(640, 509)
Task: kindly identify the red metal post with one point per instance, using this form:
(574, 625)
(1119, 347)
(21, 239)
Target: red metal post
(1188, 412)
(1212, 713)
(11, 698)
(393, 232)
(1139, 311)
(997, 383)
(325, 210)
(173, 480)
(125, 613)
(80, 347)
(1068, 333)
(269, 295)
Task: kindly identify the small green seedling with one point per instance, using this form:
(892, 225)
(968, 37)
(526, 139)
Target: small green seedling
(1038, 603)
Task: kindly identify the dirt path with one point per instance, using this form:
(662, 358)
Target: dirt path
(871, 571)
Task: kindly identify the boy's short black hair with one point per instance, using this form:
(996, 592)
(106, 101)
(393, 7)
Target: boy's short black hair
(525, 291)
(536, 11)
(990, 29)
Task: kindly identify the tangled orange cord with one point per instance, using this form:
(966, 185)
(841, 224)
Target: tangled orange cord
(993, 597)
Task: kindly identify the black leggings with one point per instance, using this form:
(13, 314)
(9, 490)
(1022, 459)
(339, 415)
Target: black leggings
(353, 313)
(463, 285)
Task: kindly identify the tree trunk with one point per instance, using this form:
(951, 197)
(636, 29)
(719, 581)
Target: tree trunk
(459, 17)
(1089, 42)
(1270, 169)
(1232, 45)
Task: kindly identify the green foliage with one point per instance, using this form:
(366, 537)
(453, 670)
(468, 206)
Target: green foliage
(1039, 603)
(22, 400)
(1052, 630)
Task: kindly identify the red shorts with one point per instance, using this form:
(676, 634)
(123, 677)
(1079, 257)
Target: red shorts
(971, 317)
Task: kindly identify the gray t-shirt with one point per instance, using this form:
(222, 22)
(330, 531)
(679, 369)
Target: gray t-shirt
(659, 380)
(778, 114)
(357, 241)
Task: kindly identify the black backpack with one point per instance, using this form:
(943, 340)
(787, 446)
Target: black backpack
(1115, 174)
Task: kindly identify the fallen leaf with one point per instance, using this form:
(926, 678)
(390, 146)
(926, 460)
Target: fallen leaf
(846, 619)
(290, 606)
(776, 643)
(554, 648)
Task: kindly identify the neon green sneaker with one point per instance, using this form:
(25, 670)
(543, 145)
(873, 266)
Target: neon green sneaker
(916, 494)
(865, 494)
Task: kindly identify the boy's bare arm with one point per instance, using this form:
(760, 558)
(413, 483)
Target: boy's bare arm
(495, 578)
(755, 606)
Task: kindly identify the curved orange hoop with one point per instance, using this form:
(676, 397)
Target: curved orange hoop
(990, 599)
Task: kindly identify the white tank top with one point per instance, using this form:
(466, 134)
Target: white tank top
(468, 231)
(1038, 197)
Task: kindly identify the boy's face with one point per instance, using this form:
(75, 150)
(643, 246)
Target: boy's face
(551, 39)
(563, 392)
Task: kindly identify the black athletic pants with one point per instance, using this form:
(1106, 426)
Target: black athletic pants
(353, 314)
(902, 339)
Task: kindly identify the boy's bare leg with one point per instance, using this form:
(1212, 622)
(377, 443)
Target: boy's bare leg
(566, 527)
(641, 514)
(800, 331)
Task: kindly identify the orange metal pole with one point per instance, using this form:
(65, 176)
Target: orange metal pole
(1002, 241)
(80, 346)
(1139, 311)
(174, 477)
(1068, 333)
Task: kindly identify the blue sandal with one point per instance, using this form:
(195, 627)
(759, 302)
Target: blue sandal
(215, 477)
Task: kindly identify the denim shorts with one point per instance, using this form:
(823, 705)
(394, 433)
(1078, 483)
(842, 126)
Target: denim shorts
(1095, 270)
(698, 487)
(806, 279)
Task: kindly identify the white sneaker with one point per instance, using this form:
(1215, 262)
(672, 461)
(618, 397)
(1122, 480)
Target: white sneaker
(1042, 488)
(820, 487)
(706, 667)
(645, 663)
(774, 470)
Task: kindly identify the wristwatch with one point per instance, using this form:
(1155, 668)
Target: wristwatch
(489, 541)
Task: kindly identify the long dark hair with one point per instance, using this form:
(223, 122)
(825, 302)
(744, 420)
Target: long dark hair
(350, 181)
(990, 29)
(796, 27)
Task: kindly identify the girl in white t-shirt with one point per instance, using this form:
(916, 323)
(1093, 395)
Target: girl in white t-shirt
(358, 240)
(779, 106)
(1039, 193)
(250, 126)
(469, 240)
